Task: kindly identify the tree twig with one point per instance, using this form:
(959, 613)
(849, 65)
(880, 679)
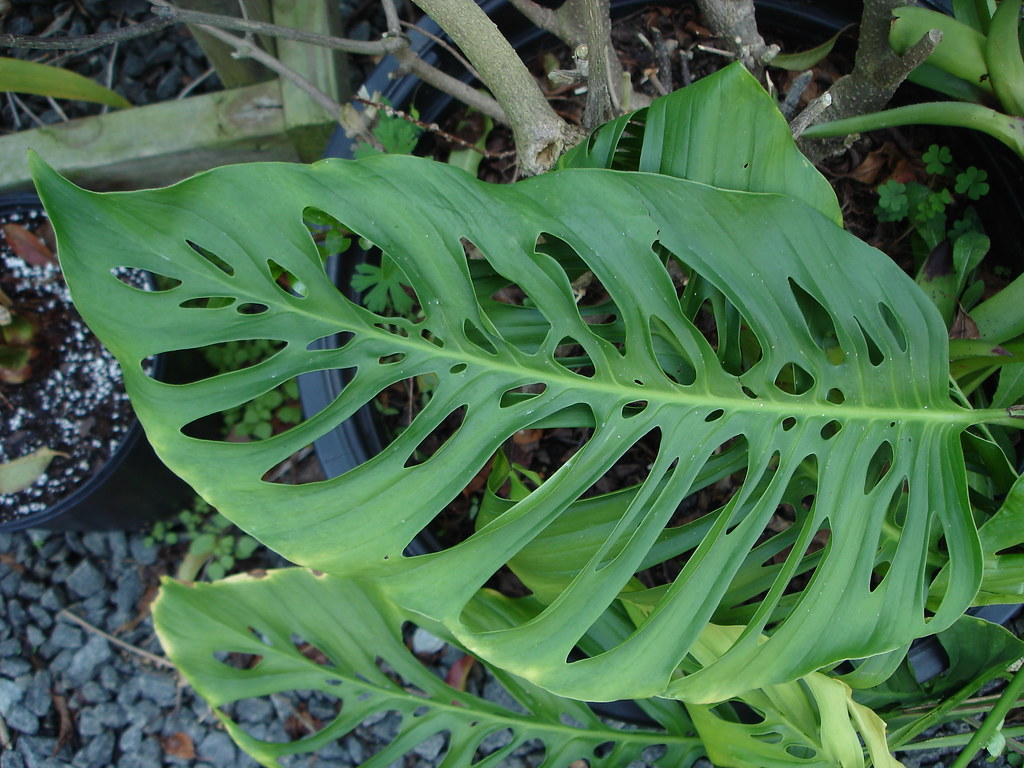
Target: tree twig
(160, 661)
(84, 42)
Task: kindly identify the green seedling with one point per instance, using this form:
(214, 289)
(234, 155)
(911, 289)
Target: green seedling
(215, 545)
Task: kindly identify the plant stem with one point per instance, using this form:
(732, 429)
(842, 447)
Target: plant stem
(992, 721)
(541, 135)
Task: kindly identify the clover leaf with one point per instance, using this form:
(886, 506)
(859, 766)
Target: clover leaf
(972, 183)
(937, 159)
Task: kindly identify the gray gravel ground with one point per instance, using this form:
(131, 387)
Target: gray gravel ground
(70, 696)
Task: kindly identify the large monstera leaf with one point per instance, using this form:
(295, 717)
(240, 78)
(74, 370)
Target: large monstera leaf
(844, 415)
(292, 631)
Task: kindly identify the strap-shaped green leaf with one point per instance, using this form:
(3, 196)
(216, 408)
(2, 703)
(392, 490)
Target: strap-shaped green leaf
(344, 640)
(31, 77)
(872, 417)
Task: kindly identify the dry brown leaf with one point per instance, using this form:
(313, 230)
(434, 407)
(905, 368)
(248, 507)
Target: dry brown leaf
(179, 745)
(66, 725)
(964, 327)
(28, 246)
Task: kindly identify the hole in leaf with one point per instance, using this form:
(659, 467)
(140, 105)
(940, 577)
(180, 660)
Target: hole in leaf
(895, 328)
(794, 380)
(836, 396)
(672, 357)
(478, 337)
(208, 302)
(457, 369)
(144, 279)
(397, 357)
(788, 423)
(879, 466)
(252, 308)
(285, 280)
(443, 432)
(212, 258)
(749, 392)
(309, 651)
(635, 408)
(604, 749)
(238, 660)
(875, 356)
(331, 341)
(819, 323)
(570, 354)
(715, 415)
(831, 429)
(200, 363)
(496, 741)
(522, 394)
(631, 467)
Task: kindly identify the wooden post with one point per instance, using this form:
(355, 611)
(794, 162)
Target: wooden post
(233, 73)
(307, 124)
(156, 145)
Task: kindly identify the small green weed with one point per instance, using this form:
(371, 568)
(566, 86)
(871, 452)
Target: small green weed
(262, 416)
(927, 208)
(215, 545)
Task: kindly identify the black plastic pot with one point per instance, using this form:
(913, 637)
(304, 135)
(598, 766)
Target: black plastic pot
(359, 439)
(132, 488)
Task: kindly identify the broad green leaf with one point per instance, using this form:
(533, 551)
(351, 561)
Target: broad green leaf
(813, 721)
(874, 422)
(343, 639)
(722, 130)
(1002, 543)
(45, 80)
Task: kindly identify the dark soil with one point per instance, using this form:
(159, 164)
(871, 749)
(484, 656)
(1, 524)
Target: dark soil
(146, 70)
(73, 402)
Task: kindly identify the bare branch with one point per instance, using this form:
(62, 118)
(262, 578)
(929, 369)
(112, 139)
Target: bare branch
(541, 135)
(733, 21)
(877, 72)
(247, 48)
(85, 42)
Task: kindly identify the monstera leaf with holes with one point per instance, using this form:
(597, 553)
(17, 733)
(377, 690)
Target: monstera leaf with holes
(757, 349)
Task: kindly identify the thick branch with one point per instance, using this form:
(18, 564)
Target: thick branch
(540, 134)
(877, 72)
(601, 96)
(734, 22)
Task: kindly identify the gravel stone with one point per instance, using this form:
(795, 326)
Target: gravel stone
(432, 747)
(11, 759)
(35, 636)
(96, 545)
(142, 554)
(40, 615)
(97, 753)
(129, 591)
(66, 636)
(13, 667)
(86, 580)
(86, 660)
(38, 699)
(10, 694)
(30, 590)
(23, 721)
(101, 718)
(158, 689)
(217, 748)
(253, 711)
(94, 693)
